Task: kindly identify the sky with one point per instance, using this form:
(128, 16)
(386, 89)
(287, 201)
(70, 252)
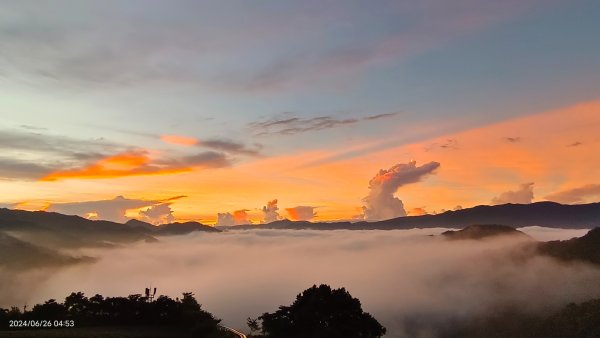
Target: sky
(234, 111)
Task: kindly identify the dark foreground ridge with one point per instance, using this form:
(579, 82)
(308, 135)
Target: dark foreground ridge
(544, 214)
(586, 248)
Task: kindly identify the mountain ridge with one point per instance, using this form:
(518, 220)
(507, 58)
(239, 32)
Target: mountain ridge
(545, 214)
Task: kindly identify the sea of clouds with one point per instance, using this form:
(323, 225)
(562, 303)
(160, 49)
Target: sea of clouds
(410, 281)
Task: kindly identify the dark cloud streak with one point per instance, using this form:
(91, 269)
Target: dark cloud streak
(17, 169)
(512, 139)
(210, 159)
(48, 152)
(297, 125)
(232, 147)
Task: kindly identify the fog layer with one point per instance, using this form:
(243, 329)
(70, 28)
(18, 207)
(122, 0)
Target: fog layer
(411, 282)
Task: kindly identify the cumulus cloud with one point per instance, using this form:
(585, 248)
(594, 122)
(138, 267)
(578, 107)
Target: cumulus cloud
(238, 217)
(270, 212)
(158, 214)
(301, 213)
(225, 219)
(115, 209)
(576, 195)
(417, 212)
(381, 203)
(405, 278)
(523, 195)
(241, 217)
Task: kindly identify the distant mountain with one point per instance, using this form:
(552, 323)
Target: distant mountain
(58, 230)
(483, 231)
(63, 231)
(134, 223)
(183, 228)
(585, 248)
(171, 228)
(545, 214)
(17, 254)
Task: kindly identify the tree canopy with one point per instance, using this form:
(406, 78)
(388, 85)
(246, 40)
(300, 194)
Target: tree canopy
(121, 311)
(320, 312)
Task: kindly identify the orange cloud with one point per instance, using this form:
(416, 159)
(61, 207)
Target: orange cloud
(121, 165)
(417, 212)
(301, 213)
(179, 140)
(241, 216)
(32, 205)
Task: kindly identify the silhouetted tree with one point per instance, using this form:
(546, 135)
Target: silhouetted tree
(77, 304)
(253, 324)
(4, 315)
(320, 312)
(50, 310)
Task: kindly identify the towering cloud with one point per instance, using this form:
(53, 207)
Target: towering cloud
(381, 202)
(158, 214)
(270, 211)
(301, 213)
(241, 217)
(523, 195)
(225, 219)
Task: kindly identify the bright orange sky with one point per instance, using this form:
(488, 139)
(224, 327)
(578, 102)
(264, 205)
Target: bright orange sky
(556, 150)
